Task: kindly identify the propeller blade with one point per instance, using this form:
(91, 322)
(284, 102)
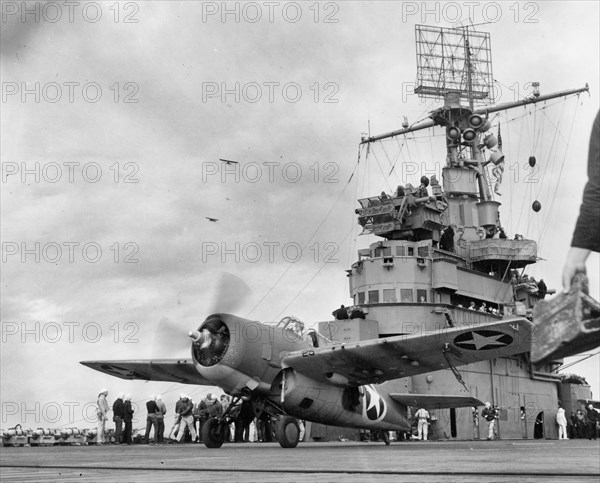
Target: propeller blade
(231, 293)
(172, 338)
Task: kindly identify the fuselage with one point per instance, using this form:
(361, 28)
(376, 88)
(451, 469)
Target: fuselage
(245, 357)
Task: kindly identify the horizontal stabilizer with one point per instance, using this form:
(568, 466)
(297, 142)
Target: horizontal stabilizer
(170, 370)
(434, 401)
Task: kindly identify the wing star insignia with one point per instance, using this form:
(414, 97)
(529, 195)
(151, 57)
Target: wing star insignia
(482, 340)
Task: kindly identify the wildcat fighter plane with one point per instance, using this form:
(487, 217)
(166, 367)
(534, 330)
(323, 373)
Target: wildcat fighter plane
(292, 373)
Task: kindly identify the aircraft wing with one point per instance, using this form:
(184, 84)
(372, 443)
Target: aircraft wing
(378, 360)
(434, 401)
(171, 370)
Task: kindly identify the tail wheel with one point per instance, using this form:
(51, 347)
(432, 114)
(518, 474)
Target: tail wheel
(288, 432)
(212, 434)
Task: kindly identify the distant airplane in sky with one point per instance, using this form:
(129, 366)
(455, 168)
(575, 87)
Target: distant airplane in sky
(211, 219)
(228, 161)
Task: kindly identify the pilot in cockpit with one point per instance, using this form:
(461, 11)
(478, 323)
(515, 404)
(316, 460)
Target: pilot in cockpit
(296, 326)
(292, 324)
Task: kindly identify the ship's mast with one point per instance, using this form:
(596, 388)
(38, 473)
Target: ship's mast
(482, 111)
(454, 65)
(468, 69)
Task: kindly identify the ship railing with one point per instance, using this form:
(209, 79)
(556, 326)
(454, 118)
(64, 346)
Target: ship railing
(439, 254)
(503, 249)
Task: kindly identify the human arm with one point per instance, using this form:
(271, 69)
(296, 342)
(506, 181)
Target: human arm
(586, 237)
(575, 263)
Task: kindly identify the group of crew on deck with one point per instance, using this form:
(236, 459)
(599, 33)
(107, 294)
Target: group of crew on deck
(243, 422)
(581, 424)
(420, 192)
(344, 314)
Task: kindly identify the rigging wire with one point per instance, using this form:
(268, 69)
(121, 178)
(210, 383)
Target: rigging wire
(323, 265)
(523, 119)
(386, 179)
(288, 268)
(553, 199)
(586, 356)
(352, 245)
(392, 164)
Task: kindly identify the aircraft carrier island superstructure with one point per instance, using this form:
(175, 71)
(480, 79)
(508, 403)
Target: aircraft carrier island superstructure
(444, 259)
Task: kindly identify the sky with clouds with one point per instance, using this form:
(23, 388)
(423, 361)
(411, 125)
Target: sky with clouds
(114, 117)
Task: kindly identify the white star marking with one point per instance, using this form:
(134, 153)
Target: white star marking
(374, 402)
(481, 341)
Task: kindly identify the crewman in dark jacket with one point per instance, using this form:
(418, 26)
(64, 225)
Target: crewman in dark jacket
(592, 418)
(118, 416)
(187, 418)
(151, 419)
(341, 313)
(128, 418)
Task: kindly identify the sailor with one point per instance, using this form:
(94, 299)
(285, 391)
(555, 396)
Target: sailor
(228, 430)
(523, 423)
(102, 415)
(177, 420)
(592, 418)
(357, 313)
(502, 234)
(542, 289)
(435, 186)
(128, 418)
(475, 418)
(341, 313)
(580, 424)
(490, 415)
(187, 419)
(422, 190)
(242, 425)
(472, 306)
(447, 239)
(202, 410)
(561, 420)
(213, 406)
(483, 307)
(399, 192)
(384, 196)
(422, 416)
(118, 414)
(160, 417)
(151, 420)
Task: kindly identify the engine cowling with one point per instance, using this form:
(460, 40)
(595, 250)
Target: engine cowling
(236, 353)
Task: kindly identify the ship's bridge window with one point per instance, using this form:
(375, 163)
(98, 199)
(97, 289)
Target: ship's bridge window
(410, 251)
(423, 251)
(383, 252)
(361, 298)
(400, 251)
(389, 295)
(422, 296)
(373, 296)
(406, 295)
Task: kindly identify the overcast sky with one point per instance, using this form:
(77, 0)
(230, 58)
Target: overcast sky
(113, 123)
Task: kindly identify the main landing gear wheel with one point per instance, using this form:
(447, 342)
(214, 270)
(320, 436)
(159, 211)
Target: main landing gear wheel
(212, 433)
(288, 432)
